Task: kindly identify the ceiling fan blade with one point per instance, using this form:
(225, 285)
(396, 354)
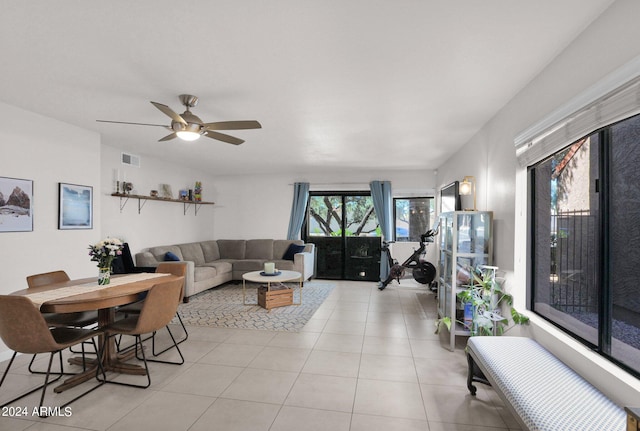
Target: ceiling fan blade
(134, 124)
(169, 112)
(224, 138)
(233, 125)
(168, 137)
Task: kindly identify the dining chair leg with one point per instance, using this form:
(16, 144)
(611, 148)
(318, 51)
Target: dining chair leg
(46, 382)
(82, 351)
(127, 349)
(65, 373)
(32, 371)
(184, 328)
(153, 341)
(175, 344)
(43, 386)
(99, 369)
(138, 341)
(6, 371)
(43, 412)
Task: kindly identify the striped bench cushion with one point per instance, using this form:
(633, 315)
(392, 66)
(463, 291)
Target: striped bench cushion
(543, 392)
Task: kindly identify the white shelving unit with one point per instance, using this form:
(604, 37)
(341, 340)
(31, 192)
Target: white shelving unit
(466, 241)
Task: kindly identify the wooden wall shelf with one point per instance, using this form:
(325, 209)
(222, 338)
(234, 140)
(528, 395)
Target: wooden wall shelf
(142, 200)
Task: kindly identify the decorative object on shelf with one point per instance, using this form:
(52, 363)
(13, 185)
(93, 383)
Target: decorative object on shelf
(127, 187)
(16, 205)
(124, 198)
(104, 253)
(116, 180)
(184, 194)
(75, 206)
(468, 187)
(153, 193)
(166, 192)
(198, 191)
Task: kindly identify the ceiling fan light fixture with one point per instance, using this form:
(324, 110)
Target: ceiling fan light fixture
(189, 127)
(187, 135)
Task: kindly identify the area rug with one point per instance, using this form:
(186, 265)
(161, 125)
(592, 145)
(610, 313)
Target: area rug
(222, 307)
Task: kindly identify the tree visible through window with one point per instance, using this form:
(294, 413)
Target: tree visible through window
(326, 214)
(413, 217)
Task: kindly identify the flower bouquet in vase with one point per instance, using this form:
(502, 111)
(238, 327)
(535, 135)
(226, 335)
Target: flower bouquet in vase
(104, 252)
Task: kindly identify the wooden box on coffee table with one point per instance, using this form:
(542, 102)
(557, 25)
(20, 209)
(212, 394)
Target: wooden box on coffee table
(278, 295)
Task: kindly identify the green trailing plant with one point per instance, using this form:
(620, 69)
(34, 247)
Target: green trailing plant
(486, 298)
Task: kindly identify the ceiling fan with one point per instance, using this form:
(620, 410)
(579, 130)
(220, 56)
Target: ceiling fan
(189, 127)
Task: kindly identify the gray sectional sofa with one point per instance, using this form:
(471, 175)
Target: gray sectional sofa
(212, 263)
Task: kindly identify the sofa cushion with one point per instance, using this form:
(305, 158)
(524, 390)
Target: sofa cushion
(280, 246)
(210, 250)
(193, 252)
(249, 265)
(160, 251)
(203, 273)
(259, 249)
(171, 257)
(231, 248)
(221, 266)
(292, 250)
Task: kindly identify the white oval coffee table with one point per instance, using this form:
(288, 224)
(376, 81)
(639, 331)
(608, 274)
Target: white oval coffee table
(281, 277)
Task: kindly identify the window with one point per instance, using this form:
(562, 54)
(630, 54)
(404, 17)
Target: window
(585, 201)
(413, 217)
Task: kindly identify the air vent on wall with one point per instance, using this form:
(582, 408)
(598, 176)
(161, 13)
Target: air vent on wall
(131, 160)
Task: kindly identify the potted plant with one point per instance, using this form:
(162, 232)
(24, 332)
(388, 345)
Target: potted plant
(484, 299)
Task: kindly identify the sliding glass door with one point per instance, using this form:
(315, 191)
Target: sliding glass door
(345, 230)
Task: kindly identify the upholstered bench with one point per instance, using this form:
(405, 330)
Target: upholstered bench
(542, 392)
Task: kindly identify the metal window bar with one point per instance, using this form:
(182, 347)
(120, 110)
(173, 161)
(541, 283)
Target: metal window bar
(573, 289)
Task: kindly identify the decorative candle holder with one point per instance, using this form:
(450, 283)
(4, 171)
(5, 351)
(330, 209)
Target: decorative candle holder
(269, 267)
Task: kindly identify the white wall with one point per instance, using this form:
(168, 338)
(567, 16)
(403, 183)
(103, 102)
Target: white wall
(158, 223)
(48, 152)
(259, 206)
(603, 47)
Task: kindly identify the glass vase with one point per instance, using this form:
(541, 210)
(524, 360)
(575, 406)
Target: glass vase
(104, 276)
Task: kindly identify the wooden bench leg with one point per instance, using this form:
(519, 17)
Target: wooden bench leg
(471, 364)
(474, 374)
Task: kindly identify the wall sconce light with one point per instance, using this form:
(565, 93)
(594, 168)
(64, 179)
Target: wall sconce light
(467, 187)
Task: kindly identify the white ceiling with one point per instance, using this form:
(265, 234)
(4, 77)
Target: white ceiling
(337, 84)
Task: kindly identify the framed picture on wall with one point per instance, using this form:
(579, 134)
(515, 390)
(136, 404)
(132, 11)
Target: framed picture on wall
(16, 205)
(75, 206)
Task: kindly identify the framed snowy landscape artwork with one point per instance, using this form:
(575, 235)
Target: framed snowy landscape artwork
(16, 205)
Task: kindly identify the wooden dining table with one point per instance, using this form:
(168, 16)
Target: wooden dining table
(124, 289)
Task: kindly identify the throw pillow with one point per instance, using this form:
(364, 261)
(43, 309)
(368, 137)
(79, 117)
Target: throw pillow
(171, 257)
(292, 250)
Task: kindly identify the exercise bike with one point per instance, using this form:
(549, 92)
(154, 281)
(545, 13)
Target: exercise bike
(423, 271)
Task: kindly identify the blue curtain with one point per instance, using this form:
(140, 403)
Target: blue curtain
(298, 209)
(383, 204)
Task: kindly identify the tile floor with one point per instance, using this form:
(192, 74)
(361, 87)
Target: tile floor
(367, 360)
